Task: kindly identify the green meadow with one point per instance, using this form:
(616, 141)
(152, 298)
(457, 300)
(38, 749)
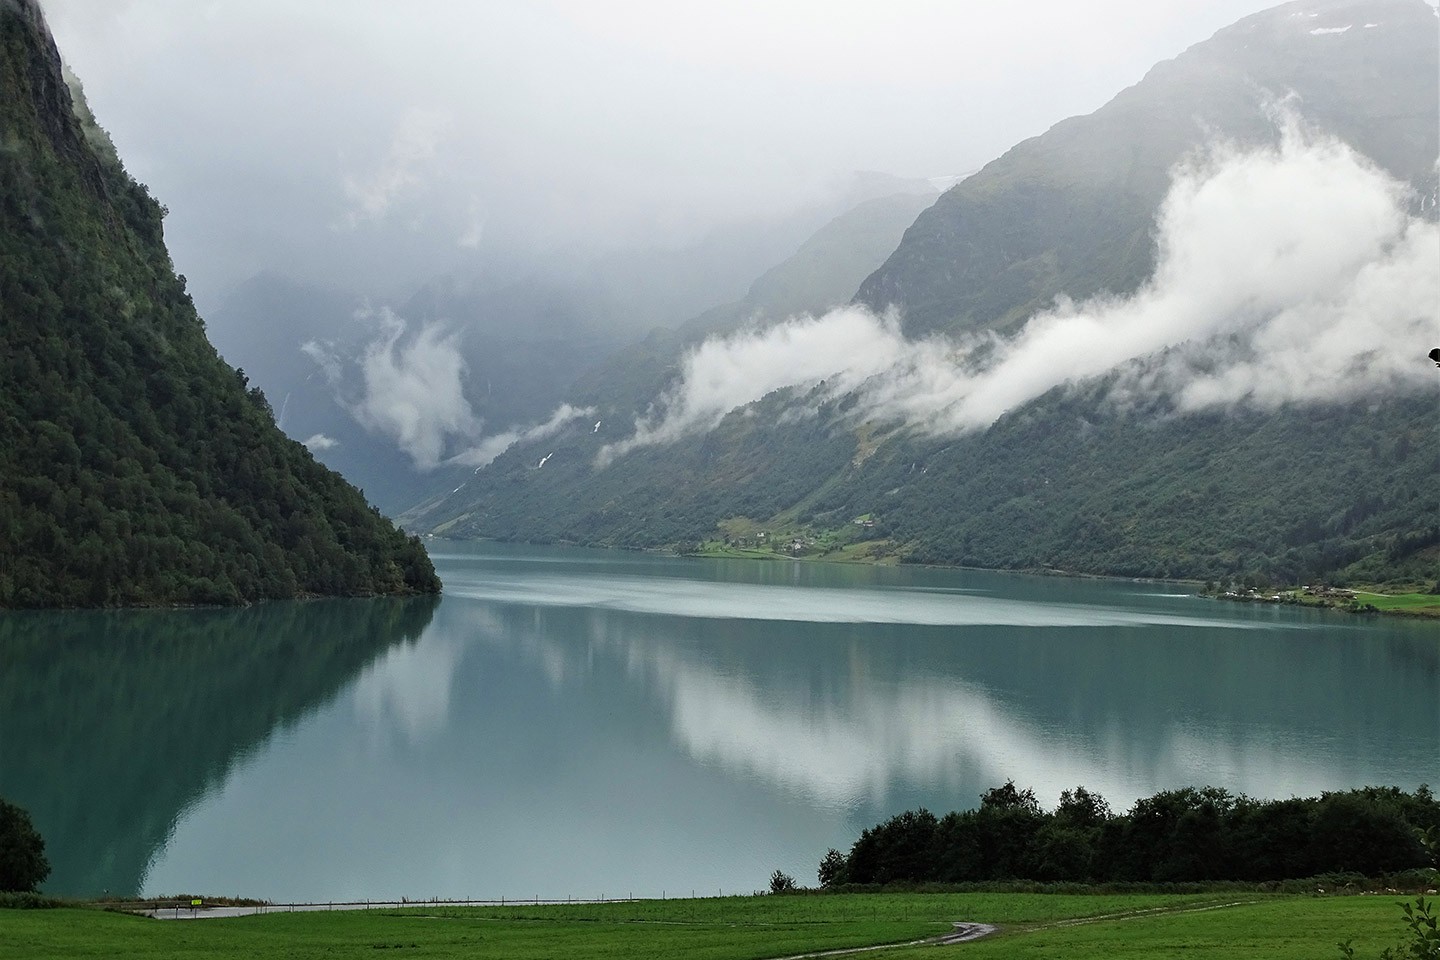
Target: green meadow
(1201, 926)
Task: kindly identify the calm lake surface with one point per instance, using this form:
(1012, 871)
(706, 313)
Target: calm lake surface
(583, 723)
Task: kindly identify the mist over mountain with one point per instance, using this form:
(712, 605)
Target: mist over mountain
(367, 146)
(1072, 211)
(1239, 252)
(405, 399)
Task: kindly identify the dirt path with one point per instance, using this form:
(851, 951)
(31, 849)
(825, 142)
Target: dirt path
(964, 932)
(968, 931)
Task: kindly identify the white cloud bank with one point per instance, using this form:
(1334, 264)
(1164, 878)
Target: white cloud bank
(492, 446)
(1290, 273)
(848, 344)
(411, 388)
(414, 390)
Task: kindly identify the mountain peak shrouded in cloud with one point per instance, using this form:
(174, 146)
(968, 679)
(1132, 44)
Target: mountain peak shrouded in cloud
(1283, 273)
(415, 143)
(417, 393)
(1072, 210)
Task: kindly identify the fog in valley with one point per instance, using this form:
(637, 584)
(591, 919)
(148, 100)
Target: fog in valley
(416, 226)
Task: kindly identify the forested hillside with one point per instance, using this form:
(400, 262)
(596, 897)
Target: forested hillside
(135, 466)
(1306, 493)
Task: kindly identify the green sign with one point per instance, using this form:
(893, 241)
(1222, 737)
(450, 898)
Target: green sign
(194, 903)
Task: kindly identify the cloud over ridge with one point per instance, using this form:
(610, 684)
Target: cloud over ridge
(1288, 273)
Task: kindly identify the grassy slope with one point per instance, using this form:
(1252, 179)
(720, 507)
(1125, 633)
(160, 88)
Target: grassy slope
(746, 927)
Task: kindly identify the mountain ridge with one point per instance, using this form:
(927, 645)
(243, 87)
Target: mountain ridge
(1030, 490)
(1084, 226)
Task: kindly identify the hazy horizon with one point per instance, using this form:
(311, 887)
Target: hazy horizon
(369, 149)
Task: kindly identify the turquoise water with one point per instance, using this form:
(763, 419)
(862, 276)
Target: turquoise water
(584, 723)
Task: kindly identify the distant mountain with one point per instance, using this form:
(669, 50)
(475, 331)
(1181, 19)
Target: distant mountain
(812, 279)
(135, 466)
(820, 274)
(1070, 480)
(1073, 211)
(628, 291)
(522, 337)
(306, 347)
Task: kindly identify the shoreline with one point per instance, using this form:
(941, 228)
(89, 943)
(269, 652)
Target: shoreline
(1427, 613)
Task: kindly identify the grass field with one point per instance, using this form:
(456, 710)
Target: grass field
(1202, 926)
(1422, 603)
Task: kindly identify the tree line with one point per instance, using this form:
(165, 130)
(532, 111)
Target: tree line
(1175, 836)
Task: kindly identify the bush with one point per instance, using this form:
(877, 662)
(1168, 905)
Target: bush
(781, 882)
(23, 866)
(1422, 941)
(27, 900)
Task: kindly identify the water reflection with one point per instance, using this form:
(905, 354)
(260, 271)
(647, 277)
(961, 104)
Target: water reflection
(702, 599)
(571, 722)
(868, 719)
(407, 690)
(113, 723)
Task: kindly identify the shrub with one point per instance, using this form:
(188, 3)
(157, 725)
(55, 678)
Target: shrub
(781, 882)
(23, 866)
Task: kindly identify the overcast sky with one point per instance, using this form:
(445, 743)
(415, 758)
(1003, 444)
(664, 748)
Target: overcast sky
(375, 142)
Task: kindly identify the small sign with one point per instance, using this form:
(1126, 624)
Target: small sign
(194, 903)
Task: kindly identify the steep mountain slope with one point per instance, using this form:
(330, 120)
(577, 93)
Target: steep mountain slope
(1072, 210)
(135, 466)
(1071, 479)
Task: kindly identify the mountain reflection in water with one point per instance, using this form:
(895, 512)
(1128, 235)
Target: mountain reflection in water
(113, 723)
(570, 722)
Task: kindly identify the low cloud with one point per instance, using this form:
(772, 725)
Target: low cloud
(1285, 274)
(321, 442)
(847, 345)
(474, 231)
(414, 144)
(413, 390)
(491, 447)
